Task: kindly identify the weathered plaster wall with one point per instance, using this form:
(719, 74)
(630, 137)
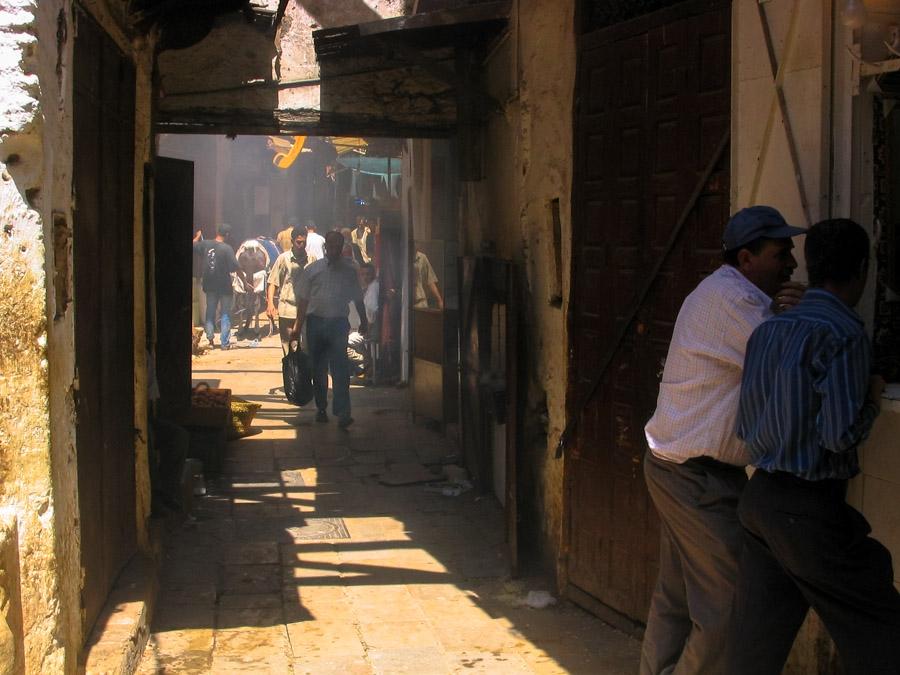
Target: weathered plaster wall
(38, 489)
(419, 100)
(233, 53)
(31, 493)
(528, 163)
(297, 55)
(197, 82)
(761, 169)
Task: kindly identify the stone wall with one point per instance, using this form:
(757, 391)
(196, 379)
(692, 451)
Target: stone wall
(199, 87)
(29, 108)
(38, 489)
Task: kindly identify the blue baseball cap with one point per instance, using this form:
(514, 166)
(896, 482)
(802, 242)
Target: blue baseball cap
(754, 222)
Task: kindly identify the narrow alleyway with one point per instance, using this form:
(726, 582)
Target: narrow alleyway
(300, 560)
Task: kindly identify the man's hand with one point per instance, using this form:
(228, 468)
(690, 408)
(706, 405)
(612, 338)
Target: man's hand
(876, 389)
(788, 296)
(198, 236)
(271, 312)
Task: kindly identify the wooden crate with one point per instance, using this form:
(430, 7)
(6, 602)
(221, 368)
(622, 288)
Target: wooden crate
(203, 415)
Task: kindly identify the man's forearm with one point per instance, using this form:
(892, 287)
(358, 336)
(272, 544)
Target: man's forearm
(437, 295)
(363, 318)
(301, 315)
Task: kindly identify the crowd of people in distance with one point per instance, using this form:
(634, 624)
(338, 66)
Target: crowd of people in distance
(321, 292)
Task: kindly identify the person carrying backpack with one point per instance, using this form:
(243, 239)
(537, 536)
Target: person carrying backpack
(218, 262)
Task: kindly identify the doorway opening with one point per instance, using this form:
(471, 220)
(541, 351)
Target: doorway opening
(395, 202)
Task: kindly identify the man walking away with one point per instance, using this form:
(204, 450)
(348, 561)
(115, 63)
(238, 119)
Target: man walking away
(323, 292)
(695, 464)
(287, 267)
(362, 237)
(426, 282)
(283, 237)
(315, 242)
(807, 402)
(219, 262)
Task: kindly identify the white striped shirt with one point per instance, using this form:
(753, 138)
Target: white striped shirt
(700, 389)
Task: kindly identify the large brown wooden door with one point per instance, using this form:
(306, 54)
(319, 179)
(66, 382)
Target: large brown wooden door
(654, 96)
(103, 274)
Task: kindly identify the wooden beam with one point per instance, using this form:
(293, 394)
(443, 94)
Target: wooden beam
(290, 122)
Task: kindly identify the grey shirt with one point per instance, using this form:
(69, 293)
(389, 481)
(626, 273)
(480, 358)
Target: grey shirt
(328, 287)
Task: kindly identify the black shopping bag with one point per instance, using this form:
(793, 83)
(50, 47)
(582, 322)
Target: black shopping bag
(297, 373)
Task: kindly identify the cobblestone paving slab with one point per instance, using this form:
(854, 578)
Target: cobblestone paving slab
(298, 560)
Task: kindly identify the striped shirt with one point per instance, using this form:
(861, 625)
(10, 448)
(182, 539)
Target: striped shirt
(328, 287)
(804, 406)
(698, 396)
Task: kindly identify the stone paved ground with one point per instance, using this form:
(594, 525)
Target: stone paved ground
(417, 583)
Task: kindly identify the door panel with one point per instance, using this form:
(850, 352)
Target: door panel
(654, 102)
(173, 213)
(103, 275)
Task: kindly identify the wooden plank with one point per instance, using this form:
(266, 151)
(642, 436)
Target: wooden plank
(103, 253)
(173, 224)
(87, 308)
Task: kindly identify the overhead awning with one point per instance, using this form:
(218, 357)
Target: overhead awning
(410, 76)
(468, 26)
(410, 73)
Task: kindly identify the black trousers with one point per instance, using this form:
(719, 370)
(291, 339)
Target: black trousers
(804, 546)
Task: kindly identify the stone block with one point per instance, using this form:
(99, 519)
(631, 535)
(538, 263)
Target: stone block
(879, 456)
(415, 661)
(12, 637)
(319, 638)
(882, 509)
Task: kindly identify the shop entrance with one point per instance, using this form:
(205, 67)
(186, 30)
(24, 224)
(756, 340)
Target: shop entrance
(262, 188)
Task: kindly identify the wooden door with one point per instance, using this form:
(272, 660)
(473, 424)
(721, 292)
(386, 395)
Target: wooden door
(654, 95)
(173, 216)
(489, 381)
(103, 274)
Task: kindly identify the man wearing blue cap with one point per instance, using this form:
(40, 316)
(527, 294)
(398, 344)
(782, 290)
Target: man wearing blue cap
(695, 465)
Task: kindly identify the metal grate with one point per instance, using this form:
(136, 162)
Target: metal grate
(320, 528)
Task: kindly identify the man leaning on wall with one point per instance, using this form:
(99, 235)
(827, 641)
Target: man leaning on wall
(695, 464)
(808, 399)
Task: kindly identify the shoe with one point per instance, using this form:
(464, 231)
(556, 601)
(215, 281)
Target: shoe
(321, 416)
(225, 347)
(345, 421)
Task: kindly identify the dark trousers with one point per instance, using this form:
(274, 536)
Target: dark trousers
(327, 339)
(804, 546)
(700, 540)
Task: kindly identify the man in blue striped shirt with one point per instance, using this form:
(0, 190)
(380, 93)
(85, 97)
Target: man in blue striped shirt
(807, 401)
